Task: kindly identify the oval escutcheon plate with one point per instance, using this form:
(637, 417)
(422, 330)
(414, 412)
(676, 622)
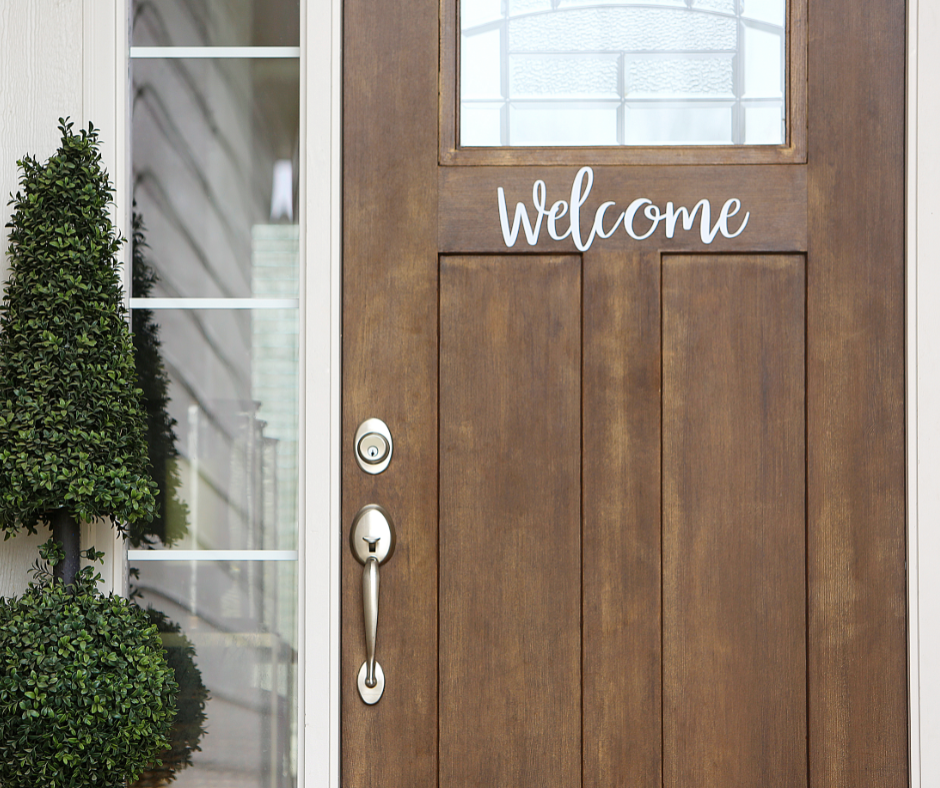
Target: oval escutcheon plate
(371, 695)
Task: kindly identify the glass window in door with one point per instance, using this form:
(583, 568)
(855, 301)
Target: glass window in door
(578, 73)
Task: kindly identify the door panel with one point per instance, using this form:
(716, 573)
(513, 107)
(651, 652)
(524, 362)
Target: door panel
(734, 600)
(740, 593)
(510, 530)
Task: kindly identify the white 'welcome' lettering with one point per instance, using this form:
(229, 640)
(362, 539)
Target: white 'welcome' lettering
(581, 187)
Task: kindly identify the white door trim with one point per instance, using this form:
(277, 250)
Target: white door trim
(923, 389)
(321, 241)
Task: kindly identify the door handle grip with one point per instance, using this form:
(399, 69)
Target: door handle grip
(370, 614)
(372, 541)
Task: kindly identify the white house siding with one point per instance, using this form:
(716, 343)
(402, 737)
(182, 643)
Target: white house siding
(41, 80)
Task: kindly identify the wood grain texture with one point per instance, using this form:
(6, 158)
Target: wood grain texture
(855, 381)
(621, 521)
(390, 271)
(774, 196)
(510, 509)
(734, 598)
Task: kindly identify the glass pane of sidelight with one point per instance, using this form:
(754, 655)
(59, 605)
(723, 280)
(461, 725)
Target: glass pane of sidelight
(240, 620)
(232, 480)
(215, 311)
(216, 145)
(608, 72)
(227, 23)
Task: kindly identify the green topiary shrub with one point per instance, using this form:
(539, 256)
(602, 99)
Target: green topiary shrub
(71, 424)
(86, 696)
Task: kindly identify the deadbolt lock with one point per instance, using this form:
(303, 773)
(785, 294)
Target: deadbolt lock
(373, 446)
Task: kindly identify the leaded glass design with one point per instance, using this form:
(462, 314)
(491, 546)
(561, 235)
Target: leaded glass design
(590, 72)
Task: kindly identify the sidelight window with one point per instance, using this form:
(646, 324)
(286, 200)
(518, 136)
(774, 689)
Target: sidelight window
(215, 300)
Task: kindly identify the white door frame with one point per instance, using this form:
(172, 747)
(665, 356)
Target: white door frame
(923, 388)
(105, 101)
(321, 306)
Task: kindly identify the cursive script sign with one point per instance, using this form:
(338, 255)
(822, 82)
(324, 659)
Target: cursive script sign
(640, 211)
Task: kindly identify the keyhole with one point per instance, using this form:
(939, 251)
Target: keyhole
(373, 448)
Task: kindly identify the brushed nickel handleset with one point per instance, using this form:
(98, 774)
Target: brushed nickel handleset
(372, 541)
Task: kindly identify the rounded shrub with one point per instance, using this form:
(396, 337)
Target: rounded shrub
(86, 695)
(72, 431)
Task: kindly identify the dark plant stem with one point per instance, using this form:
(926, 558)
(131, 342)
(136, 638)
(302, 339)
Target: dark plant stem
(66, 532)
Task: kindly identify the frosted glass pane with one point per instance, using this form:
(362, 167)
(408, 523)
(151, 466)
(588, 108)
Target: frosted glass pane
(517, 7)
(480, 72)
(562, 125)
(676, 77)
(773, 11)
(477, 12)
(763, 77)
(671, 3)
(583, 77)
(480, 124)
(619, 29)
(722, 6)
(658, 125)
(608, 72)
(763, 125)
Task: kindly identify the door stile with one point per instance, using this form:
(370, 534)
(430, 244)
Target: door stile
(621, 643)
(390, 352)
(855, 409)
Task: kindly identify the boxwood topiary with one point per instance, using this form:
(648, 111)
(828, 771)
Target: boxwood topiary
(71, 424)
(86, 696)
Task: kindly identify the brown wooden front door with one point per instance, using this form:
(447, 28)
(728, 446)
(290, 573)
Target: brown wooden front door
(649, 492)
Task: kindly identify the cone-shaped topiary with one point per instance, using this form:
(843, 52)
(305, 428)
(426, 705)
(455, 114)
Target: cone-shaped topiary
(86, 695)
(71, 424)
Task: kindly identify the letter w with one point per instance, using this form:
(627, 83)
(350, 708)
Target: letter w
(522, 216)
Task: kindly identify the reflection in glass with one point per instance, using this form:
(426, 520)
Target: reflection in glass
(189, 723)
(171, 518)
(608, 72)
(216, 149)
(226, 23)
(240, 616)
(233, 398)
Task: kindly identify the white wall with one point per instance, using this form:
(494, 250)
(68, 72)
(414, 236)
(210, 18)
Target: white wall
(58, 58)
